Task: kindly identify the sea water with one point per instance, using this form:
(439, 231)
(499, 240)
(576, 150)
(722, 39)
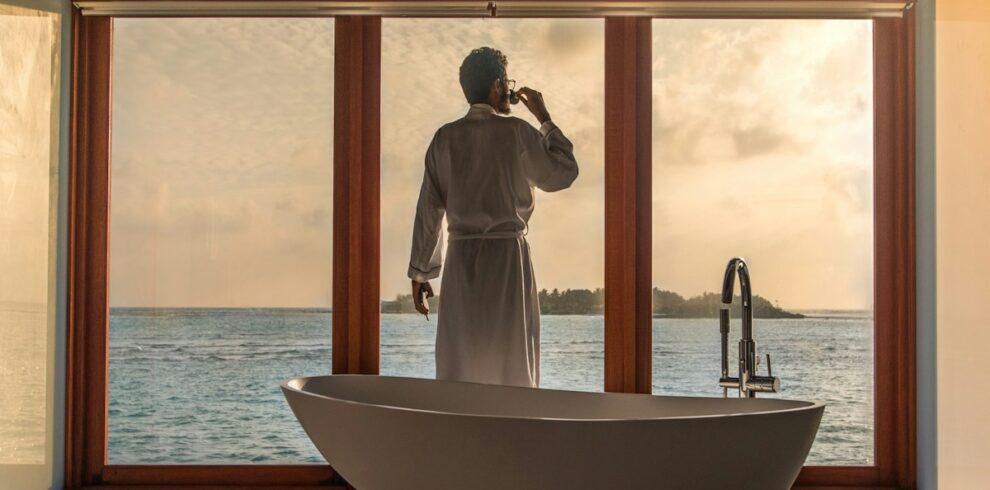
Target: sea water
(202, 385)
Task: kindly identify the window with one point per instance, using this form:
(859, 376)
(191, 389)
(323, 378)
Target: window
(220, 235)
(562, 58)
(763, 148)
(358, 349)
(30, 81)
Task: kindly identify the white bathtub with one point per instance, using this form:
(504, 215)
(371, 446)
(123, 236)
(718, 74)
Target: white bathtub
(393, 433)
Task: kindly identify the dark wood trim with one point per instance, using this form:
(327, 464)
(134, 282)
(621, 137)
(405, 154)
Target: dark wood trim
(855, 487)
(308, 476)
(357, 242)
(356, 199)
(838, 476)
(894, 260)
(585, 1)
(894, 267)
(88, 261)
(628, 205)
(412, 15)
(215, 487)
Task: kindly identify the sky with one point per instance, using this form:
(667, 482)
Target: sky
(222, 154)
(763, 148)
(222, 162)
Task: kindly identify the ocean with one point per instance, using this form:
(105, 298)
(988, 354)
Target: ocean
(202, 385)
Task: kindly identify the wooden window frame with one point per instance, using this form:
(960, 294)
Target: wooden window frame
(356, 250)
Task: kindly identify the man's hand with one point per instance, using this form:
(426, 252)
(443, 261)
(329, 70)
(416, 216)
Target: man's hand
(419, 289)
(534, 102)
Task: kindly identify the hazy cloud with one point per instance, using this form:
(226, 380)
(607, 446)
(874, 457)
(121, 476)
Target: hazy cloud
(222, 153)
(222, 162)
(759, 140)
(763, 148)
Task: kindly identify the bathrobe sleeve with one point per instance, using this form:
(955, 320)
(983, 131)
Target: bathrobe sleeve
(426, 257)
(547, 157)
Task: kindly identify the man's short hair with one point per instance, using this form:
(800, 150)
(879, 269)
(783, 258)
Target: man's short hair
(478, 70)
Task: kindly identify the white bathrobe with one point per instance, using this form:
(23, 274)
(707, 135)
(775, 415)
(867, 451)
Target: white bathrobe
(480, 171)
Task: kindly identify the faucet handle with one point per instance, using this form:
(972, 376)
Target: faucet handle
(764, 384)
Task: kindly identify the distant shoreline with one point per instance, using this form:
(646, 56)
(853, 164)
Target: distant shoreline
(666, 304)
(155, 310)
(837, 314)
(163, 309)
(390, 308)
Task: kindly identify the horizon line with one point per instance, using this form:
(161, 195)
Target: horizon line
(330, 309)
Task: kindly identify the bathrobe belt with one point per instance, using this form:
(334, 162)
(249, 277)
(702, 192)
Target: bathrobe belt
(486, 235)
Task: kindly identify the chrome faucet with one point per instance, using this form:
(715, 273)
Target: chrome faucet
(748, 382)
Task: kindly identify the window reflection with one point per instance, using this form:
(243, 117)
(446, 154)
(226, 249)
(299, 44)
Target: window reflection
(29, 136)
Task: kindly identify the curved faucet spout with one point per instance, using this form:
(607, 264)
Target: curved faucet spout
(745, 291)
(748, 382)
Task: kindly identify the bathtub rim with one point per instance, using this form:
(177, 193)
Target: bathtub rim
(285, 385)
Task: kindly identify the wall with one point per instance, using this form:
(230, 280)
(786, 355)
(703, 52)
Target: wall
(962, 80)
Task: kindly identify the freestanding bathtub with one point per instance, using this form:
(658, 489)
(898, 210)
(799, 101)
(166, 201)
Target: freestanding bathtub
(394, 433)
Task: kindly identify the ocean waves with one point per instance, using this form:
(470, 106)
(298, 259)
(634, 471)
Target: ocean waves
(202, 386)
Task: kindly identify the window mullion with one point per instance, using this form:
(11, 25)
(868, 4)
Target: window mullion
(356, 215)
(628, 161)
(88, 262)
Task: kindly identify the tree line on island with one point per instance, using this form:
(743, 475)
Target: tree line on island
(666, 304)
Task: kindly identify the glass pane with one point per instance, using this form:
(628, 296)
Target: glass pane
(29, 164)
(763, 148)
(220, 235)
(562, 58)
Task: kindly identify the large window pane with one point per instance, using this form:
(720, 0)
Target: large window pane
(220, 235)
(763, 148)
(562, 58)
(29, 163)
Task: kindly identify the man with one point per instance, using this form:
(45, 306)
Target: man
(480, 171)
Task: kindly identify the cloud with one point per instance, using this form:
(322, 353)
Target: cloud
(763, 148)
(222, 152)
(760, 140)
(222, 162)
(744, 88)
(570, 42)
(849, 185)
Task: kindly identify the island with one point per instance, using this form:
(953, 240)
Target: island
(666, 304)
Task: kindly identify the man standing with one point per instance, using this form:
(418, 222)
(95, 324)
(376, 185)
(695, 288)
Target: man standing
(480, 171)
